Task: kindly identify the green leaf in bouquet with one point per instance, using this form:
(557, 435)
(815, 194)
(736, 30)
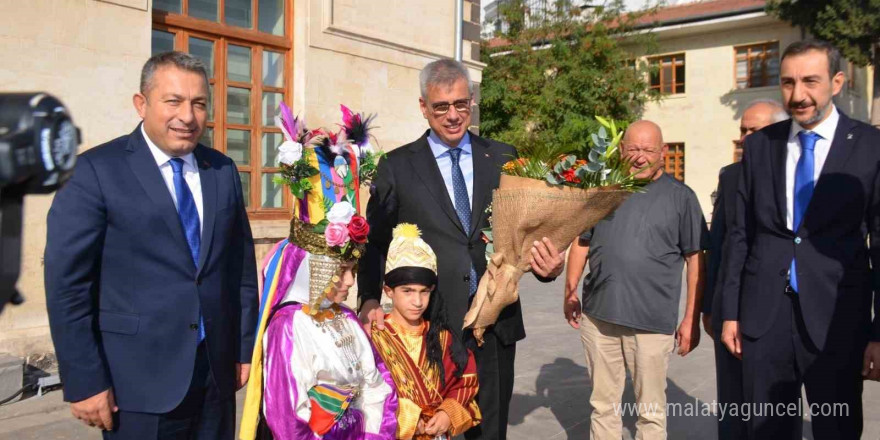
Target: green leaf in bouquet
(596, 157)
(569, 161)
(559, 168)
(551, 179)
(604, 122)
(594, 167)
(321, 226)
(602, 133)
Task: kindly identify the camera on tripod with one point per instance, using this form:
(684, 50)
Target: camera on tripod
(38, 144)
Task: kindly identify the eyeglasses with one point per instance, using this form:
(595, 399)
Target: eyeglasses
(632, 151)
(461, 106)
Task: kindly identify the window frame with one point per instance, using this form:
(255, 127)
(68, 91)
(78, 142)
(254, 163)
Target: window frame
(675, 154)
(852, 87)
(183, 27)
(656, 61)
(764, 76)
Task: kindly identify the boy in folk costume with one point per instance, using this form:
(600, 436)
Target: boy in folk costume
(315, 374)
(435, 374)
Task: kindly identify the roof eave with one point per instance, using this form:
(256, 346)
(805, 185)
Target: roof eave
(699, 18)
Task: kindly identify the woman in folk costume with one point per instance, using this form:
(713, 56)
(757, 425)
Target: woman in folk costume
(435, 374)
(315, 374)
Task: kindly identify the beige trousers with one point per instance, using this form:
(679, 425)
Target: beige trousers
(611, 350)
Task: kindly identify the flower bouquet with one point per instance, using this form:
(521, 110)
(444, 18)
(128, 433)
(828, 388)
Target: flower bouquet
(558, 198)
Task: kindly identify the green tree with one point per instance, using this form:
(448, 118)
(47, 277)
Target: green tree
(851, 25)
(545, 83)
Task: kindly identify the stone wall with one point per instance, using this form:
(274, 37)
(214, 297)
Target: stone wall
(88, 53)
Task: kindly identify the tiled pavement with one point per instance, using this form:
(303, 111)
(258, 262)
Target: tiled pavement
(550, 396)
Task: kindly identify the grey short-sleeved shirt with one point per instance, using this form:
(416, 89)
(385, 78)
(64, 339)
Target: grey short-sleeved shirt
(637, 256)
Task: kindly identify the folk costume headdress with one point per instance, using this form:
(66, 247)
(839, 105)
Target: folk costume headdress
(410, 259)
(324, 170)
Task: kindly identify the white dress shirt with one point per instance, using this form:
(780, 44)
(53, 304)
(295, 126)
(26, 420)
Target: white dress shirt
(190, 175)
(444, 162)
(823, 145)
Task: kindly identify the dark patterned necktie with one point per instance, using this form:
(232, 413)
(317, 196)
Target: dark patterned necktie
(462, 208)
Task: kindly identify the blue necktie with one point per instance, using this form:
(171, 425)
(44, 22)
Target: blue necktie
(462, 208)
(189, 219)
(803, 191)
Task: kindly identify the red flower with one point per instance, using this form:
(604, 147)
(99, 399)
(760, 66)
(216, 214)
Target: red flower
(569, 176)
(358, 229)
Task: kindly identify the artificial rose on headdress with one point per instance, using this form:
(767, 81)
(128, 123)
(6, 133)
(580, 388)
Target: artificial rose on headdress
(341, 212)
(358, 229)
(289, 152)
(336, 234)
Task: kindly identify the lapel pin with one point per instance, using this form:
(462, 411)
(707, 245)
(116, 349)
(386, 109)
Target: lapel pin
(487, 154)
(849, 135)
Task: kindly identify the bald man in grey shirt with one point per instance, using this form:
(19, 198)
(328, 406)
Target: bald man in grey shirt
(630, 298)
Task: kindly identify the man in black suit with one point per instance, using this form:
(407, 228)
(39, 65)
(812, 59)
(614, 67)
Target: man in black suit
(728, 369)
(443, 183)
(151, 281)
(799, 271)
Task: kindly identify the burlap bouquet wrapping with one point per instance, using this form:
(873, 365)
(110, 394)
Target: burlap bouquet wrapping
(524, 211)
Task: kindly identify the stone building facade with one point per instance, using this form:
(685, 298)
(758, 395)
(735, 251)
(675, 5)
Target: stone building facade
(313, 54)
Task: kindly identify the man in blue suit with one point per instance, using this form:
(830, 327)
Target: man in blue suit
(801, 264)
(150, 272)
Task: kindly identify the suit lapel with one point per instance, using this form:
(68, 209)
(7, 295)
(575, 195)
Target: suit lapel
(483, 174)
(825, 195)
(143, 166)
(841, 148)
(778, 153)
(208, 179)
(425, 166)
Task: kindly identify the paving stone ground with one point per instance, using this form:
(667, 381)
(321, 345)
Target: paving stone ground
(550, 396)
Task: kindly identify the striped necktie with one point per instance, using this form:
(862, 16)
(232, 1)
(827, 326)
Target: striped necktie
(189, 219)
